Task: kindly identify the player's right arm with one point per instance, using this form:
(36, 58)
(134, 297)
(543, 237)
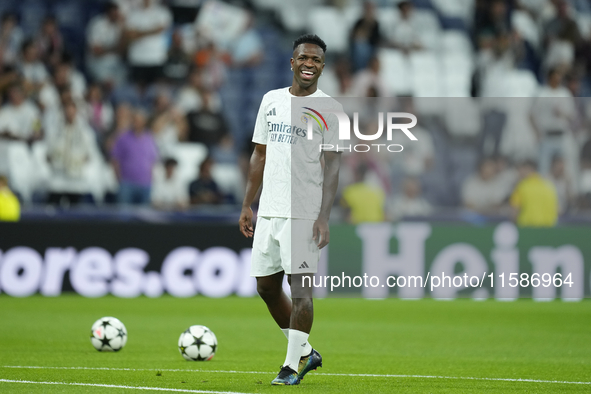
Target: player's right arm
(253, 184)
(255, 170)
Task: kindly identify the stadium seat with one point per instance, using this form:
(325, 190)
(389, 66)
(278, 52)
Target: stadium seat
(295, 15)
(229, 179)
(189, 156)
(427, 19)
(514, 83)
(20, 169)
(429, 106)
(330, 24)
(460, 9)
(352, 12)
(457, 74)
(430, 28)
(426, 77)
(387, 19)
(459, 61)
(329, 82)
(455, 41)
(456, 84)
(395, 71)
(462, 117)
(584, 22)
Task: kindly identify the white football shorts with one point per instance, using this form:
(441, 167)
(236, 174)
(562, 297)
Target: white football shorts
(282, 244)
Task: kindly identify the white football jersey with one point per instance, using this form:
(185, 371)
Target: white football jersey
(293, 175)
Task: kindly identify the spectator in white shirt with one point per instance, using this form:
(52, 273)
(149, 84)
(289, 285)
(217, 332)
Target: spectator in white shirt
(49, 42)
(169, 126)
(481, 192)
(100, 114)
(370, 78)
(32, 69)
(146, 28)
(49, 96)
(247, 49)
(69, 152)
(563, 183)
(11, 37)
(104, 45)
(76, 79)
(553, 114)
(128, 6)
(405, 35)
(409, 203)
(190, 96)
(19, 121)
(20, 118)
(507, 175)
(168, 191)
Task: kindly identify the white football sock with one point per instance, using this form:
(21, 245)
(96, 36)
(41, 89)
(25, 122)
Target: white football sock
(297, 341)
(306, 350)
(285, 332)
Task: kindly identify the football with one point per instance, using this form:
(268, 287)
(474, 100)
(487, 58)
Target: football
(198, 343)
(108, 334)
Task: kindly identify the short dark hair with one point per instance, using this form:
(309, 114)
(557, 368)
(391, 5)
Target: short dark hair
(404, 3)
(9, 15)
(552, 71)
(557, 157)
(309, 39)
(27, 44)
(531, 163)
(206, 162)
(111, 5)
(50, 18)
(170, 161)
(484, 160)
(67, 58)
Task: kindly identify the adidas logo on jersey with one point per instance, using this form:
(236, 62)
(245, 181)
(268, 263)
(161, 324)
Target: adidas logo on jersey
(272, 112)
(304, 265)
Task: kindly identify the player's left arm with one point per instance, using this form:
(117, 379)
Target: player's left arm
(320, 231)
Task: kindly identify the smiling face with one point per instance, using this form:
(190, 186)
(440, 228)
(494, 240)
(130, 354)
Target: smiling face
(307, 63)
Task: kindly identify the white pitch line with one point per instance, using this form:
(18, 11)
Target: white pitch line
(134, 369)
(366, 375)
(116, 386)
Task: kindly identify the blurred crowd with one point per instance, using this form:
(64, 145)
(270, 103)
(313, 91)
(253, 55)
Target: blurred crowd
(155, 104)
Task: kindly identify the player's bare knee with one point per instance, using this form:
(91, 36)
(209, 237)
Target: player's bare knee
(268, 290)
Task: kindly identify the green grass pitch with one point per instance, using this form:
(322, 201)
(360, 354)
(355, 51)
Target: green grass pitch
(369, 346)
